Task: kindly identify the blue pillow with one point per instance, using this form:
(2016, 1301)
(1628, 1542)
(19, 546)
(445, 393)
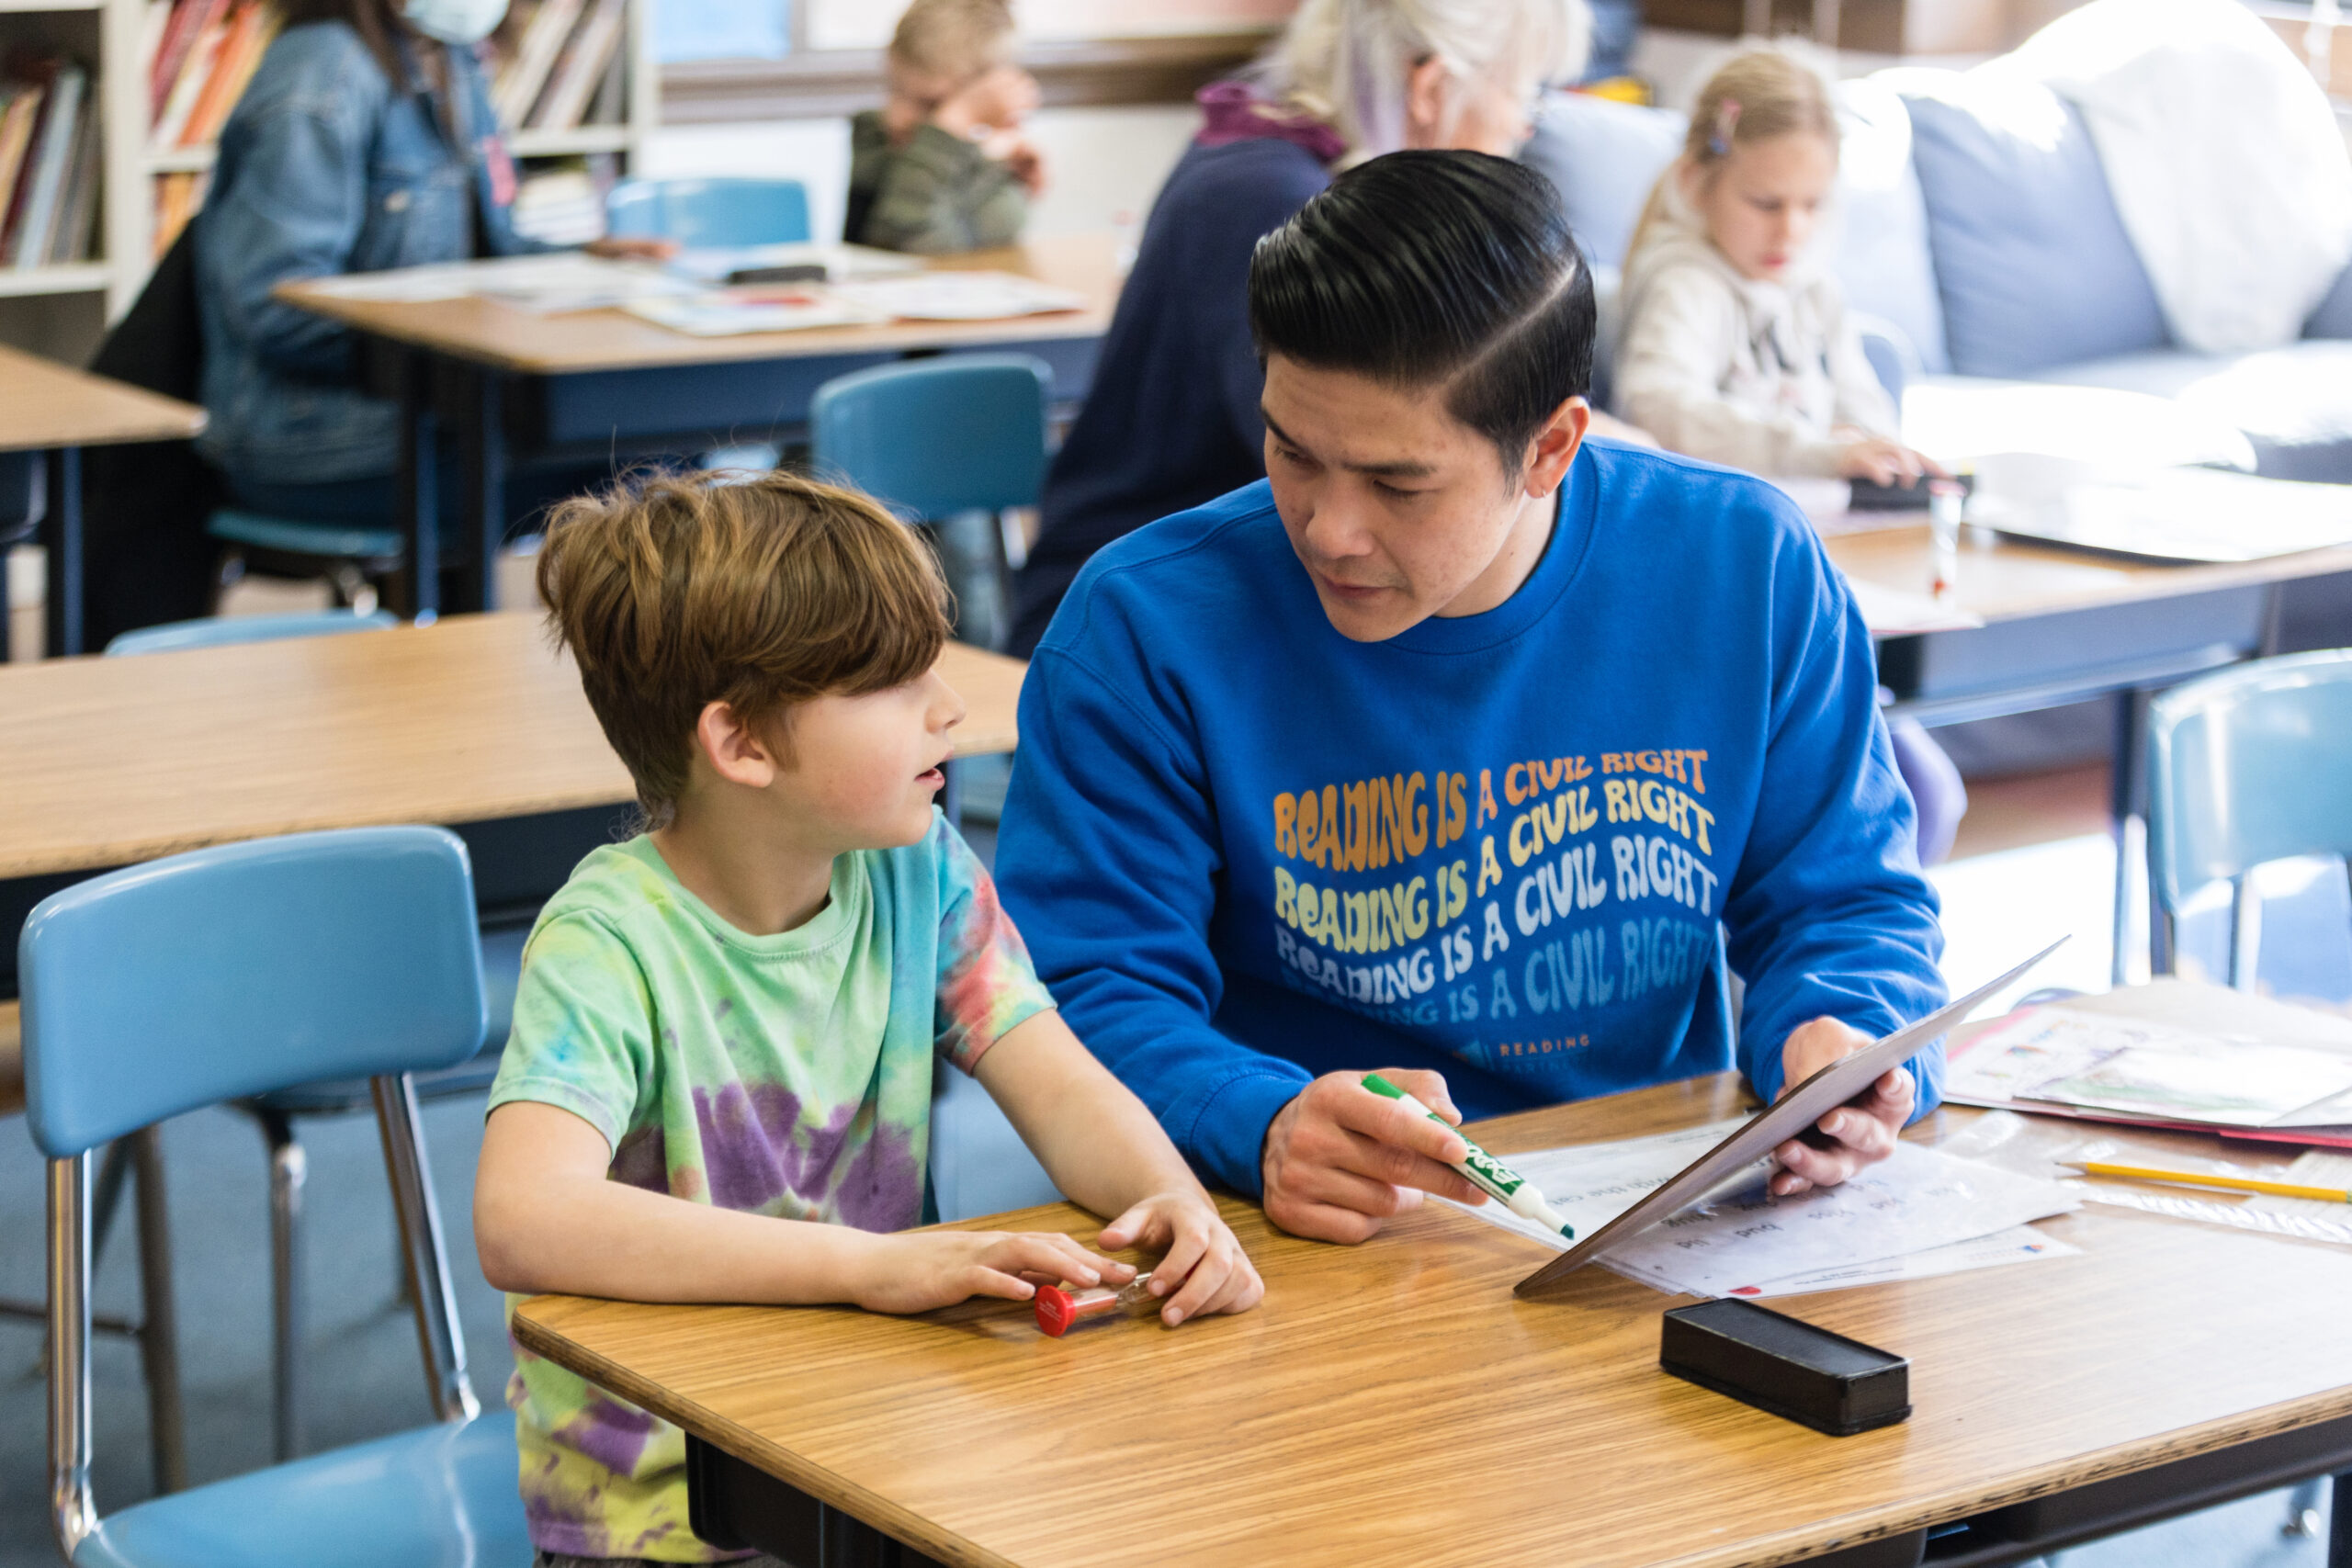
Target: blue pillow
(1882, 259)
(1603, 156)
(2030, 256)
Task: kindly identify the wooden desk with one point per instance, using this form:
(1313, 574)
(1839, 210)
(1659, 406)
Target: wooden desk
(47, 407)
(1394, 1404)
(604, 384)
(110, 762)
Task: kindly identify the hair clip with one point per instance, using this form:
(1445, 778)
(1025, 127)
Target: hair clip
(1727, 122)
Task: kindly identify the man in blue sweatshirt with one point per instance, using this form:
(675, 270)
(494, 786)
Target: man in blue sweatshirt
(1448, 750)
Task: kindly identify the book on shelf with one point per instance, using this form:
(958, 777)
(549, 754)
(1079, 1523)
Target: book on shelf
(206, 51)
(177, 196)
(564, 70)
(48, 162)
(562, 203)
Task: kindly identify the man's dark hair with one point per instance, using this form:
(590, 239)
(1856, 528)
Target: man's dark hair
(1421, 268)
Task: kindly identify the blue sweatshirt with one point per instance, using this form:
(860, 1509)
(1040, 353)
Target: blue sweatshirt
(1245, 851)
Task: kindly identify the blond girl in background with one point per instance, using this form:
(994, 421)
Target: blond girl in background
(1737, 347)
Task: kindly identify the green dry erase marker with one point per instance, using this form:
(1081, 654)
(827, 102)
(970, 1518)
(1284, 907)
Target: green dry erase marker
(1487, 1173)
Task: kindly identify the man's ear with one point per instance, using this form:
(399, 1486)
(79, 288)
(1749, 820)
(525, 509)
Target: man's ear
(734, 749)
(1554, 446)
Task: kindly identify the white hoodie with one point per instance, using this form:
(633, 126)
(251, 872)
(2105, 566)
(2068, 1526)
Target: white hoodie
(1747, 372)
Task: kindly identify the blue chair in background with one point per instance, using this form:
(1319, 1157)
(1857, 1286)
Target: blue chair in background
(943, 441)
(218, 631)
(227, 974)
(501, 956)
(2246, 767)
(351, 560)
(710, 214)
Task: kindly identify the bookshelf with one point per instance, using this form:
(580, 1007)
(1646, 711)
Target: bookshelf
(61, 310)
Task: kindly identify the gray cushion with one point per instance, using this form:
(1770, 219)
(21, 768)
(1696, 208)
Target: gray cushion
(1882, 261)
(2030, 257)
(2334, 316)
(2294, 403)
(1603, 156)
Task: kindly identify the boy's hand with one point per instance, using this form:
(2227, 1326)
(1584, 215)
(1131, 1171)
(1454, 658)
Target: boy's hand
(917, 1270)
(1020, 157)
(1203, 1268)
(998, 99)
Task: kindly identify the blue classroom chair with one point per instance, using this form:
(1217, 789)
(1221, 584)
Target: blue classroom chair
(2246, 767)
(710, 214)
(219, 631)
(942, 440)
(259, 965)
(502, 953)
(352, 559)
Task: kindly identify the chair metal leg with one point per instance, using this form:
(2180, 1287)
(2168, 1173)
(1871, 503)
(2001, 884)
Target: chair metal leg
(2339, 1528)
(72, 1513)
(2245, 931)
(2131, 837)
(288, 1169)
(159, 1332)
(439, 1335)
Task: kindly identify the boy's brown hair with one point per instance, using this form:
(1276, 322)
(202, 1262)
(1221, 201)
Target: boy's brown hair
(954, 39)
(676, 592)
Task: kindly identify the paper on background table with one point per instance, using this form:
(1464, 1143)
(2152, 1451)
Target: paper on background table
(719, 315)
(1914, 1202)
(956, 296)
(540, 283)
(840, 262)
(1892, 611)
(2051, 1058)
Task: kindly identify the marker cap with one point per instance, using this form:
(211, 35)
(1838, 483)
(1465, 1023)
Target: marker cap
(1056, 1310)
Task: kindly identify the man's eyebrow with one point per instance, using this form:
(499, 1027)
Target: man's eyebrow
(1397, 470)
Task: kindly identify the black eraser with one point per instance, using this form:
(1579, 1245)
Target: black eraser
(1785, 1367)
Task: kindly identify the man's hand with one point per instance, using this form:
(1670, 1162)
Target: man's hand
(1341, 1159)
(1856, 1133)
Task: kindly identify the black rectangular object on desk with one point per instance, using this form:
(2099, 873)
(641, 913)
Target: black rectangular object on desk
(1786, 1368)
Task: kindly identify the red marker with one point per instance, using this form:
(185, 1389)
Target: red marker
(1059, 1311)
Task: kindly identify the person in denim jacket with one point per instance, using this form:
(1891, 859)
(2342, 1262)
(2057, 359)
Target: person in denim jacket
(365, 141)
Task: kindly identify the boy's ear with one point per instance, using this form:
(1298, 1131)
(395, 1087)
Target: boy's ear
(735, 750)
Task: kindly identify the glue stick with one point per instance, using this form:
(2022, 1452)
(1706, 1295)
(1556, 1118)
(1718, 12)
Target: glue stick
(1059, 1309)
(1487, 1173)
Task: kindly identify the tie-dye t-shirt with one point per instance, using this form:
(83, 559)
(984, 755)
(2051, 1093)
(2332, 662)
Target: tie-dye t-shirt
(787, 1075)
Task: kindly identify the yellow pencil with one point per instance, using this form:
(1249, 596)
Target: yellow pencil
(2225, 1183)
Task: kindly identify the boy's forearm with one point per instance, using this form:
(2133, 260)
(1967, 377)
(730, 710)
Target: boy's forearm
(1102, 1146)
(602, 1238)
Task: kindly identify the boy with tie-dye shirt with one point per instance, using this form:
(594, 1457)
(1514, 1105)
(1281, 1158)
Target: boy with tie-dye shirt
(717, 1086)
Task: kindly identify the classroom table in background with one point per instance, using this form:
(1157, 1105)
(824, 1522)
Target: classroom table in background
(1394, 1404)
(476, 723)
(2061, 627)
(506, 385)
(55, 409)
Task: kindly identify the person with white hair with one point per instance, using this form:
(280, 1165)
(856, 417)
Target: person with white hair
(1172, 419)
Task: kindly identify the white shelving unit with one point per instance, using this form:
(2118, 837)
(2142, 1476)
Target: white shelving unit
(61, 311)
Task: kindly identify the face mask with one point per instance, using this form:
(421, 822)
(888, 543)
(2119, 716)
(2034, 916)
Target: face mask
(455, 21)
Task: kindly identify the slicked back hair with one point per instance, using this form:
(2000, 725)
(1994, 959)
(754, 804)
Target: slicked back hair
(1435, 269)
(675, 592)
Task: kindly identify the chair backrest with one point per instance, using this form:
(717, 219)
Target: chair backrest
(222, 631)
(224, 973)
(2249, 766)
(710, 214)
(246, 968)
(959, 432)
